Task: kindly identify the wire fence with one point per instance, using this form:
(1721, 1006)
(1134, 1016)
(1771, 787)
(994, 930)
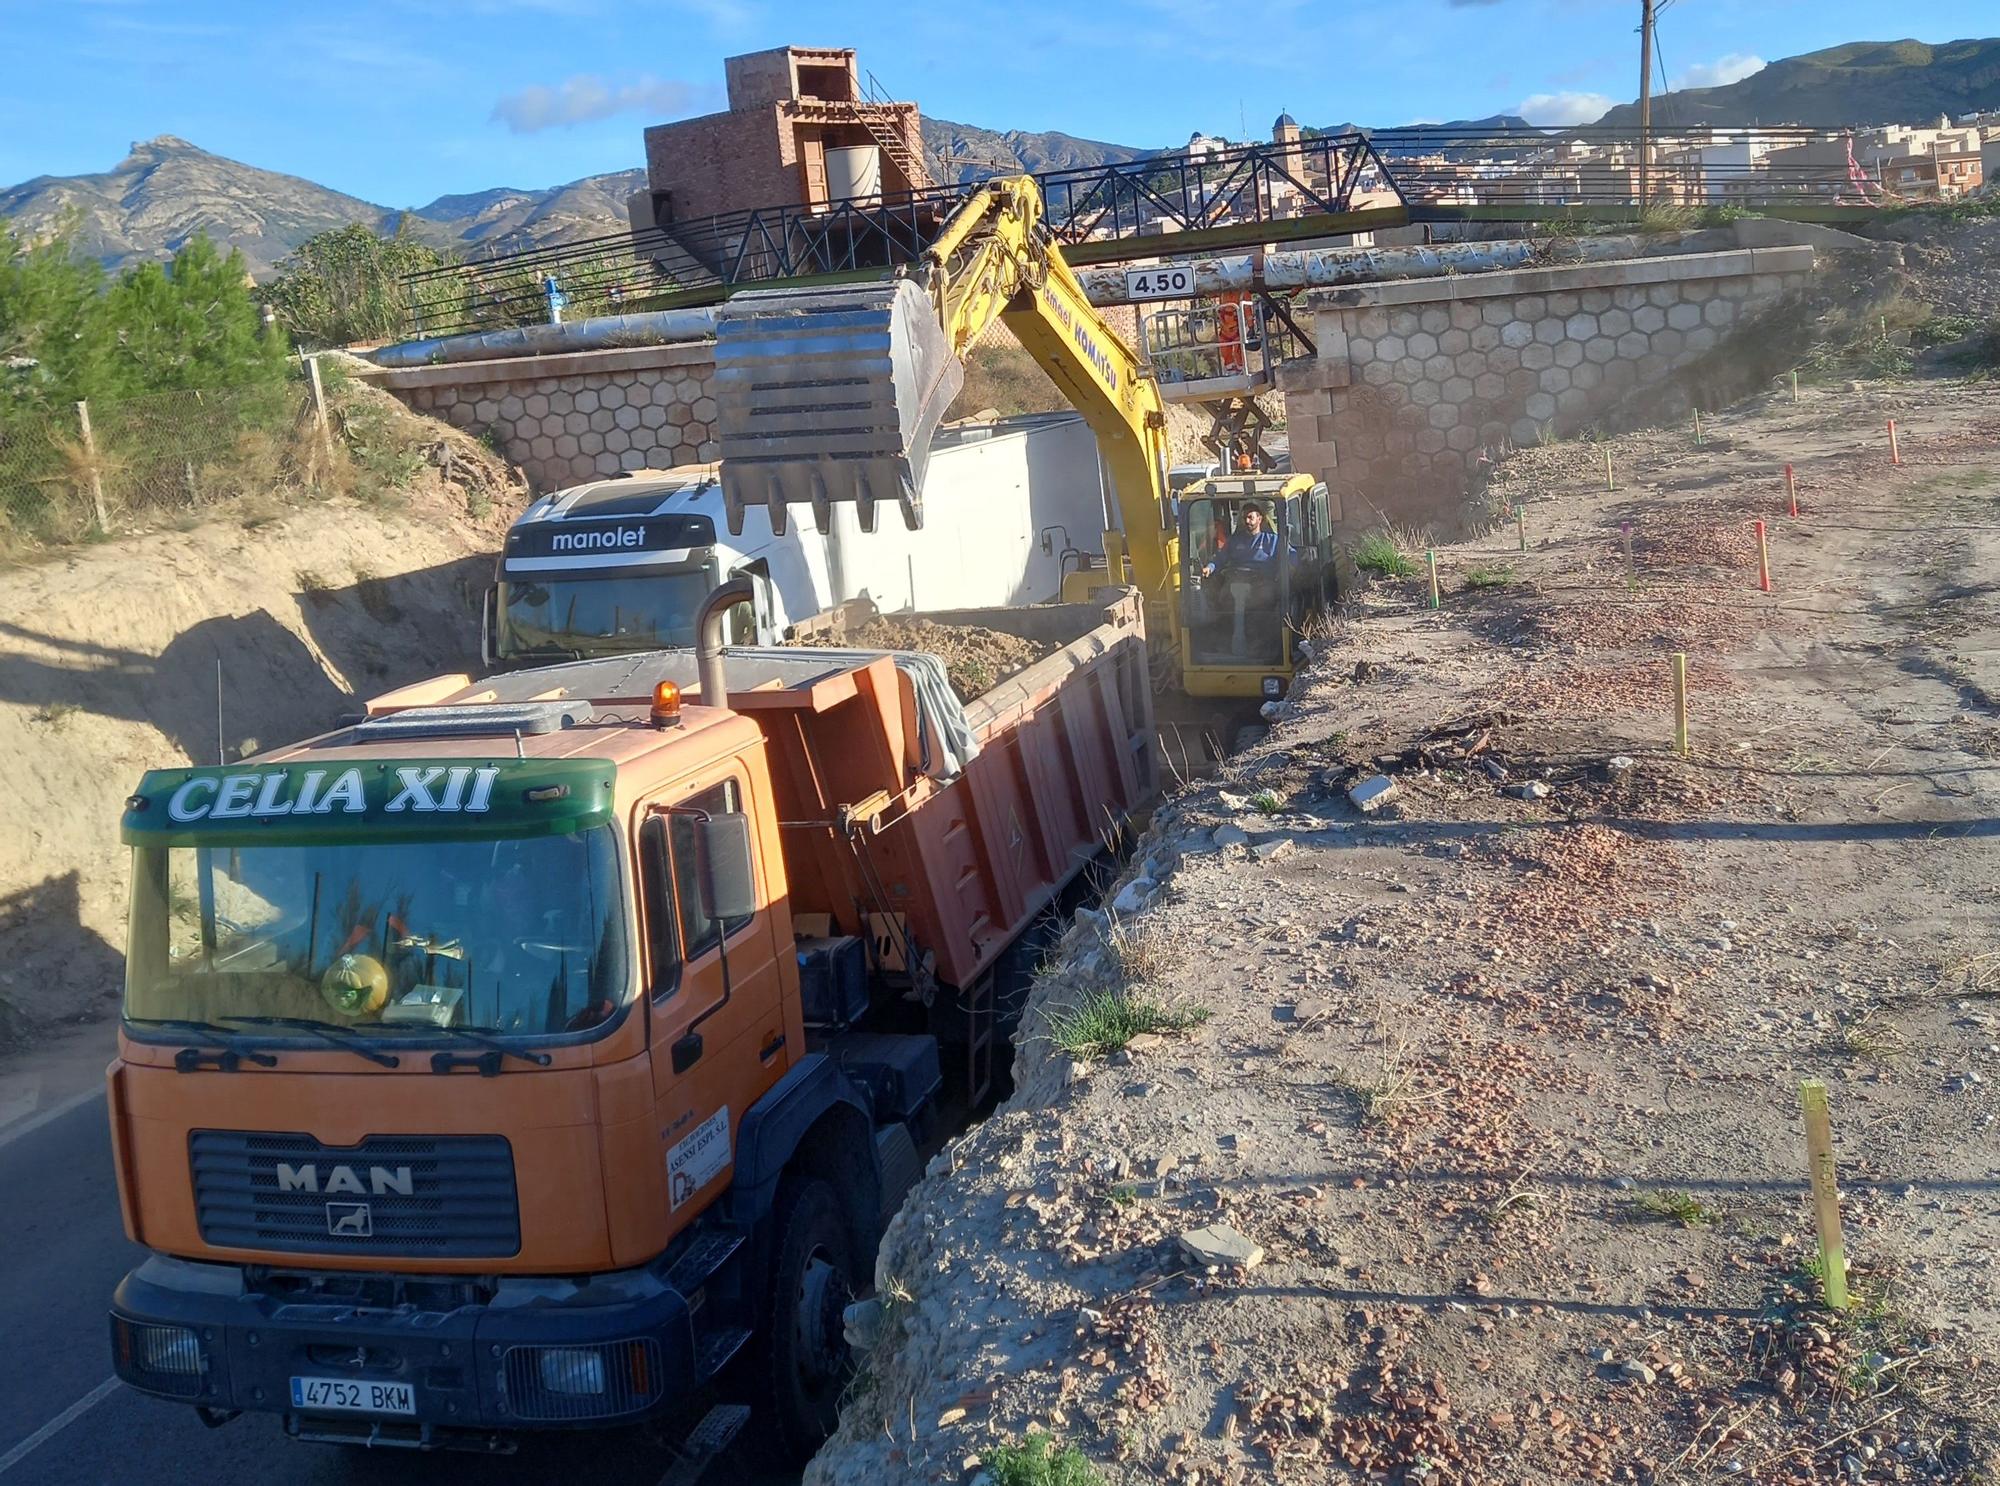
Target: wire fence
(70, 471)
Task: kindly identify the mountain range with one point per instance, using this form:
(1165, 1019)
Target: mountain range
(1863, 82)
(167, 189)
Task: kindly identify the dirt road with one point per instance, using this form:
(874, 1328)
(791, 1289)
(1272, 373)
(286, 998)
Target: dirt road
(1497, 1097)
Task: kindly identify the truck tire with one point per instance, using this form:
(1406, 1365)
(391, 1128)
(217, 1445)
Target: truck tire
(803, 1357)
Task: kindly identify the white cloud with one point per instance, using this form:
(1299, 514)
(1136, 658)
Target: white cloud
(1721, 72)
(585, 98)
(1563, 108)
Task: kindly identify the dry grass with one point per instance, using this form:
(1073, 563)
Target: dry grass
(1866, 1039)
(1387, 1092)
(1973, 975)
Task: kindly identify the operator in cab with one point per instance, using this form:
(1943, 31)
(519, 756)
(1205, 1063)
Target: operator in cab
(1252, 546)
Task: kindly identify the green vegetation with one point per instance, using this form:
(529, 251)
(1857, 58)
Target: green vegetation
(345, 286)
(1678, 1207)
(1038, 1462)
(70, 333)
(1378, 552)
(1265, 802)
(187, 389)
(1477, 578)
(1663, 216)
(1104, 1019)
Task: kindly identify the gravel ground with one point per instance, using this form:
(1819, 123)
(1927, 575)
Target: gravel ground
(1483, 1160)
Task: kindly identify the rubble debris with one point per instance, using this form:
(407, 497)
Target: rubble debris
(1372, 794)
(1222, 1247)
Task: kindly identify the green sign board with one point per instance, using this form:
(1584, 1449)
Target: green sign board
(374, 799)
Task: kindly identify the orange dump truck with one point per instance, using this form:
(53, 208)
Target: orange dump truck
(548, 1051)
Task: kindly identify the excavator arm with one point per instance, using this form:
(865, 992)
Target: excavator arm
(833, 394)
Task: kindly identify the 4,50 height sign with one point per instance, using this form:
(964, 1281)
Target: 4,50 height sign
(1166, 281)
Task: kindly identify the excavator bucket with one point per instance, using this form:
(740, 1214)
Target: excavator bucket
(828, 395)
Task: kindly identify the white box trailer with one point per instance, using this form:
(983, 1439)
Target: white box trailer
(625, 564)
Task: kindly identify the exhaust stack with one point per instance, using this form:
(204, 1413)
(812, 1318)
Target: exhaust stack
(828, 395)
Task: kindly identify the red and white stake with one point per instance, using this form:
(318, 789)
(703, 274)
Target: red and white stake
(1791, 490)
(1763, 558)
(1895, 454)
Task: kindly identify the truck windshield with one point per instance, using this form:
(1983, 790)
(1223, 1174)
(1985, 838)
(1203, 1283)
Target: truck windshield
(523, 937)
(590, 616)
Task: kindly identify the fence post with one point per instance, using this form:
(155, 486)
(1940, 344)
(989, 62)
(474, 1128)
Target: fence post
(319, 408)
(90, 461)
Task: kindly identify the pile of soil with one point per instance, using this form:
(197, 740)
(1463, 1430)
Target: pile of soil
(1951, 260)
(975, 660)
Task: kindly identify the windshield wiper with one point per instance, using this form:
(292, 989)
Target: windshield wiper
(488, 1063)
(542, 652)
(231, 1056)
(340, 1037)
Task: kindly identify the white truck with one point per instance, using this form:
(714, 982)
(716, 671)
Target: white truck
(626, 564)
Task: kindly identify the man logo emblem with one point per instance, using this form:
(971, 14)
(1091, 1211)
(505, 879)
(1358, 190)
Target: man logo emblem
(350, 1220)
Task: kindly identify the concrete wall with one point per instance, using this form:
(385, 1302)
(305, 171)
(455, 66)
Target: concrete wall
(582, 416)
(1417, 381)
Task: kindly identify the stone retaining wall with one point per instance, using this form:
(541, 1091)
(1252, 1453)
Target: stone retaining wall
(1416, 382)
(584, 415)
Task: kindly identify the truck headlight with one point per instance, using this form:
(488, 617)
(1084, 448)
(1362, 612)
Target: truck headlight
(572, 1370)
(169, 1349)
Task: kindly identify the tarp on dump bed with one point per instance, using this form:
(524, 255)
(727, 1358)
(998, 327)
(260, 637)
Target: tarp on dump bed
(945, 737)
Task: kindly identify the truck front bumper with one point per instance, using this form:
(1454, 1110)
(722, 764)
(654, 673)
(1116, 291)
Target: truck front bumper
(479, 1361)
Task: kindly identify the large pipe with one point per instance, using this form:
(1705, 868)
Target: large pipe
(708, 623)
(1319, 268)
(607, 332)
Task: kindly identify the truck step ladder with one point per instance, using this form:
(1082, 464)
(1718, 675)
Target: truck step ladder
(714, 1349)
(708, 1439)
(979, 1041)
(699, 1264)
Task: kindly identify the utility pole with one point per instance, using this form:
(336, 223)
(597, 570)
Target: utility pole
(1645, 101)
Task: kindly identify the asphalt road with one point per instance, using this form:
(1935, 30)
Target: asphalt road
(65, 1422)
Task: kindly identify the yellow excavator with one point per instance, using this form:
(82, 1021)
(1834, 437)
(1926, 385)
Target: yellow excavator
(832, 393)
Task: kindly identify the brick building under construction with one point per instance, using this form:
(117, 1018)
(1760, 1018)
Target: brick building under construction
(799, 131)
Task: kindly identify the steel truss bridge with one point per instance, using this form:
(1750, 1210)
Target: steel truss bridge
(1179, 205)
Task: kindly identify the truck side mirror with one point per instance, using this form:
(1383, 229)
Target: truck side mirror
(728, 885)
(489, 627)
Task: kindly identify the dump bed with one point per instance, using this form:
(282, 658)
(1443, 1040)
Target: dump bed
(1065, 752)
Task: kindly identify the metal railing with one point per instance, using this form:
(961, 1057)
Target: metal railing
(631, 270)
(1429, 173)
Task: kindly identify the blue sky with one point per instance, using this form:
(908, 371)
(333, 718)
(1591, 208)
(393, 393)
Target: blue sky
(398, 101)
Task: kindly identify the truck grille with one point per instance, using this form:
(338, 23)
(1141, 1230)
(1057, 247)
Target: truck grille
(417, 1196)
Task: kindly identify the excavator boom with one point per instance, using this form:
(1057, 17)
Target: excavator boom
(832, 394)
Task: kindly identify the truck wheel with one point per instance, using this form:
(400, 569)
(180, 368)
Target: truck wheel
(805, 1361)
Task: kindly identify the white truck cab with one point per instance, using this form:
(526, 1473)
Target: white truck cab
(625, 564)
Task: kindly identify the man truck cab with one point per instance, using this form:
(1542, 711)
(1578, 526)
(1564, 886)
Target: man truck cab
(1249, 582)
(520, 1055)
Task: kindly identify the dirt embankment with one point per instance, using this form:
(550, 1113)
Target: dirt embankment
(1482, 1160)
(109, 662)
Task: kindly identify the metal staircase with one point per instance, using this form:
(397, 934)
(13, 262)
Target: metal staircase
(915, 164)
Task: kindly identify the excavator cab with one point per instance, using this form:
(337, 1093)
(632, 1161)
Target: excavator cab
(1248, 581)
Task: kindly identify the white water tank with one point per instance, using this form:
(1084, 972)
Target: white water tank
(854, 173)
